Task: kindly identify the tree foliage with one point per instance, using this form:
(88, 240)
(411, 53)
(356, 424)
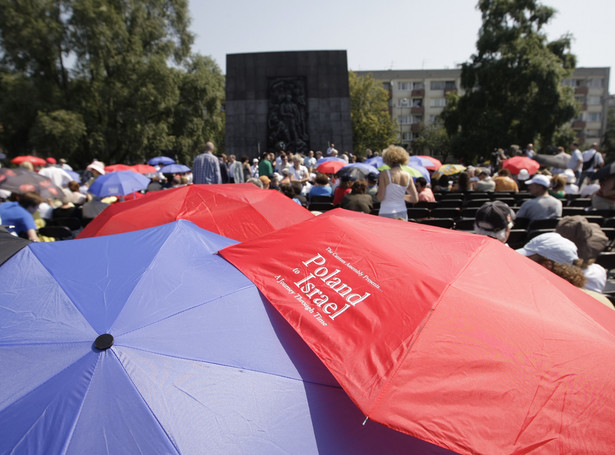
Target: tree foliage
(108, 79)
(607, 144)
(513, 92)
(372, 126)
(433, 140)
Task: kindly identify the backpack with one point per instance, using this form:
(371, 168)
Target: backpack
(589, 163)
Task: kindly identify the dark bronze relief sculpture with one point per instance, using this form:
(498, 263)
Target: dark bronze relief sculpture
(287, 115)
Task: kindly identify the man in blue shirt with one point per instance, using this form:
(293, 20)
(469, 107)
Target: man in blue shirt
(206, 167)
(18, 215)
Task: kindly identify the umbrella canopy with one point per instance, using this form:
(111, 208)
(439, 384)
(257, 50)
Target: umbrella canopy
(144, 168)
(10, 244)
(448, 169)
(147, 342)
(357, 171)
(74, 175)
(21, 180)
(516, 163)
(118, 183)
(375, 161)
(118, 167)
(330, 167)
(161, 160)
(449, 336)
(413, 171)
(559, 161)
(240, 211)
(330, 158)
(174, 169)
(35, 160)
(428, 162)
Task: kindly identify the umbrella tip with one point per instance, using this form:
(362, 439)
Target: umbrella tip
(104, 341)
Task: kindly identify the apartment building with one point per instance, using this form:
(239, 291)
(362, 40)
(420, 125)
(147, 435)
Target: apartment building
(417, 97)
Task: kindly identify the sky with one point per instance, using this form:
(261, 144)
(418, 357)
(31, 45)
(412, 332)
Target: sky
(385, 34)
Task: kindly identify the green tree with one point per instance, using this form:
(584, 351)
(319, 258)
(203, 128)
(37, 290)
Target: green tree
(122, 69)
(607, 145)
(433, 140)
(513, 92)
(372, 126)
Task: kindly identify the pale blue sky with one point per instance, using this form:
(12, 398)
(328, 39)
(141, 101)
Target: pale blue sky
(385, 34)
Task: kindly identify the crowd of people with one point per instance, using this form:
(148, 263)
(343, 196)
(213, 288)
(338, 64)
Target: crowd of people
(388, 193)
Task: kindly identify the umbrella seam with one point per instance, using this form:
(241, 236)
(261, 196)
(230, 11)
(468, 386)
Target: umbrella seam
(231, 366)
(146, 403)
(417, 334)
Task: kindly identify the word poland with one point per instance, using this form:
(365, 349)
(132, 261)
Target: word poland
(329, 279)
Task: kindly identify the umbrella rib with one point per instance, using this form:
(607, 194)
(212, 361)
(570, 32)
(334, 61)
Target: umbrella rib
(417, 333)
(233, 367)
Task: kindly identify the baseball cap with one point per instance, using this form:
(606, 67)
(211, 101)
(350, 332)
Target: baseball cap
(540, 180)
(552, 246)
(494, 216)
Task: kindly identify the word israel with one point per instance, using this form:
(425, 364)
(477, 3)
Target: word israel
(329, 279)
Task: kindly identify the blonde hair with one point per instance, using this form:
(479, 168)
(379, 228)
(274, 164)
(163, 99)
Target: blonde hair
(394, 155)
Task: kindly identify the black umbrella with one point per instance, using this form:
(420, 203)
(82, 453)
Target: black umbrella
(21, 180)
(559, 161)
(9, 244)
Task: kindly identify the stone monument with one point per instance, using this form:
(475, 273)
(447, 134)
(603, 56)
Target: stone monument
(294, 101)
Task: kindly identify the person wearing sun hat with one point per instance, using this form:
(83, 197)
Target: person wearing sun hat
(543, 205)
(559, 255)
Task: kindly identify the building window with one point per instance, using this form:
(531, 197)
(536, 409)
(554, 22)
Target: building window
(438, 102)
(403, 102)
(443, 85)
(594, 116)
(416, 119)
(595, 83)
(403, 86)
(594, 100)
(418, 86)
(406, 136)
(433, 118)
(580, 99)
(417, 102)
(593, 133)
(415, 136)
(437, 85)
(403, 120)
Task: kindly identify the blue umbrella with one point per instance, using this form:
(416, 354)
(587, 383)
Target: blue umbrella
(328, 158)
(148, 342)
(174, 169)
(356, 171)
(375, 161)
(160, 160)
(118, 183)
(75, 175)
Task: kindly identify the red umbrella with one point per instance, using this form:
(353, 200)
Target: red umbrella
(516, 163)
(143, 168)
(451, 337)
(119, 167)
(428, 162)
(330, 167)
(35, 160)
(240, 211)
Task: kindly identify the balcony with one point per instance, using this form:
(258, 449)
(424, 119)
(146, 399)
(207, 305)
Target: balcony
(581, 91)
(416, 127)
(418, 93)
(578, 125)
(417, 110)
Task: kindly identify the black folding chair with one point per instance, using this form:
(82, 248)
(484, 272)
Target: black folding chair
(447, 223)
(57, 232)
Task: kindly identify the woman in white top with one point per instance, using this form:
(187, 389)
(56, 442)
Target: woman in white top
(395, 186)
